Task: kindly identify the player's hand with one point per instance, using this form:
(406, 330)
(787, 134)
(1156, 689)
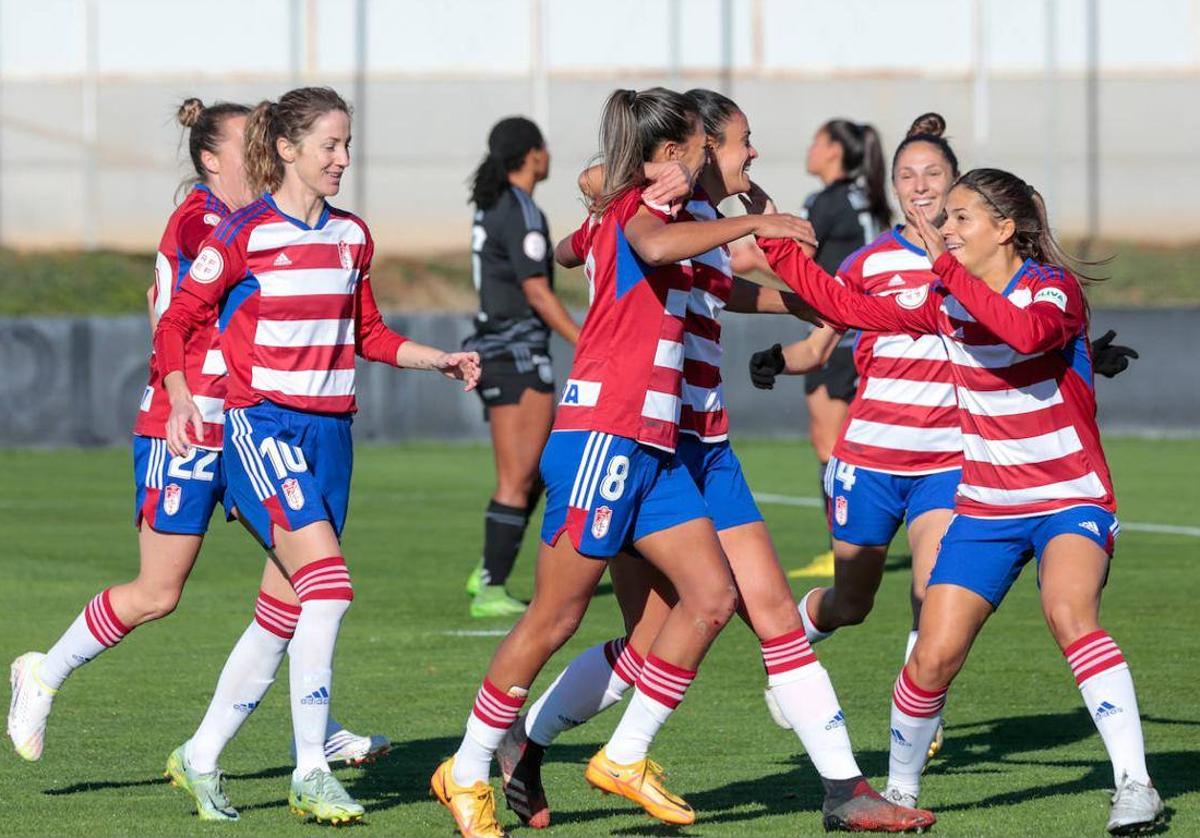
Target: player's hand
(765, 365)
(782, 225)
(1110, 360)
(669, 183)
(184, 415)
(461, 366)
(757, 201)
(935, 245)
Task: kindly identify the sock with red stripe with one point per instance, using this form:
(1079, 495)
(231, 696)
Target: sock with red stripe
(245, 679)
(806, 698)
(325, 593)
(1106, 684)
(659, 689)
(94, 630)
(916, 713)
(593, 682)
(494, 712)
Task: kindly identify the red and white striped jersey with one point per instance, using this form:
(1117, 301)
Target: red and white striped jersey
(904, 418)
(703, 410)
(1022, 371)
(626, 379)
(204, 367)
(295, 305)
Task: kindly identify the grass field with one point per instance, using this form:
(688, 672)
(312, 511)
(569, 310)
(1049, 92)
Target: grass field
(1021, 755)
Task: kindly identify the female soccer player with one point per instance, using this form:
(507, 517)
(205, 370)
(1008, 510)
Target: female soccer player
(174, 500)
(609, 467)
(514, 275)
(600, 676)
(849, 212)
(1035, 483)
(290, 276)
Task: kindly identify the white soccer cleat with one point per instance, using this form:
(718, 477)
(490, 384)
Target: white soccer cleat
(351, 749)
(900, 798)
(773, 708)
(1136, 808)
(29, 708)
(343, 747)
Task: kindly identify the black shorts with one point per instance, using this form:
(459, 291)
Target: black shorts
(838, 375)
(504, 381)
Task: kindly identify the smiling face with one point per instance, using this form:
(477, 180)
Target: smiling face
(921, 179)
(322, 156)
(730, 158)
(973, 232)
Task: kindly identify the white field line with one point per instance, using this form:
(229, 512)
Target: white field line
(1132, 526)
(475, 632)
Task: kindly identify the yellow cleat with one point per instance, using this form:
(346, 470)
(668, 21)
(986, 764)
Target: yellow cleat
(821, 565)
(641, 782)
(939, 738)
(473, 807)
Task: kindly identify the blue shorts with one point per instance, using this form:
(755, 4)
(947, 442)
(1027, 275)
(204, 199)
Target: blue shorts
(287, 467)
(175, 495)
(986, 555)
(718, 475)
(867, 506)
(608, 491)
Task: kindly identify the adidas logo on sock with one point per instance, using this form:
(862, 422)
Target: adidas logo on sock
(1106, 709)
(282, 261)
(320, 696)
(247, 707)
(1091, 526)
(899, 739)
(838, 720)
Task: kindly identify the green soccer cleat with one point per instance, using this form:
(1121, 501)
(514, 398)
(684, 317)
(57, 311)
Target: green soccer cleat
(208, 790)
(494, 601)
(320, 795)
(475, 581)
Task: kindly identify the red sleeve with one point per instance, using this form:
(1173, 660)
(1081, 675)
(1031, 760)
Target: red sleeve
(192, 232)
(1054, 317)
(373, 340)
(914, 311)
(581, 239)
(215, 269)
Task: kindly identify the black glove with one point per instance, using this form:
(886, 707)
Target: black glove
(1109, 360)
(765, 365)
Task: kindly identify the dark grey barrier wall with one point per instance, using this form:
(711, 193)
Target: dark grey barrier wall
(77, 381)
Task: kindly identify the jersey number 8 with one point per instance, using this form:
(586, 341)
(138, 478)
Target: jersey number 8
(613, 484)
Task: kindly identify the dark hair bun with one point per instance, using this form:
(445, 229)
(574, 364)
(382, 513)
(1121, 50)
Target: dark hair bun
(189, 112)
(928, 124)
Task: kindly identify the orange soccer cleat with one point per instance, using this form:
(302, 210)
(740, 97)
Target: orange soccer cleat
(473, 807)
(641, 782)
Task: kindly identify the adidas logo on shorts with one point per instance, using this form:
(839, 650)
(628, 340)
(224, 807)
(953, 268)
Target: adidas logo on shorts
(1091, 526)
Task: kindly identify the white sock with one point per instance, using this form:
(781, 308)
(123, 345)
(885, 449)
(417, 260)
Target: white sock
(311, 678)
(248, 674)
(660, 688)
(807, 700)
(94, 630)
(916, 713)
(493, 714)
(593, 682)
(908, 647)
(814, 634)
(1106, 684)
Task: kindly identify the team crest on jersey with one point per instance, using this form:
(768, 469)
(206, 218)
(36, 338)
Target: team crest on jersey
(913, 298)
(208, 265)
(841, 510)
(171, 497)
(344, 254)
(212, 219)
(600, 521)
(292, 493)
(534, 245)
